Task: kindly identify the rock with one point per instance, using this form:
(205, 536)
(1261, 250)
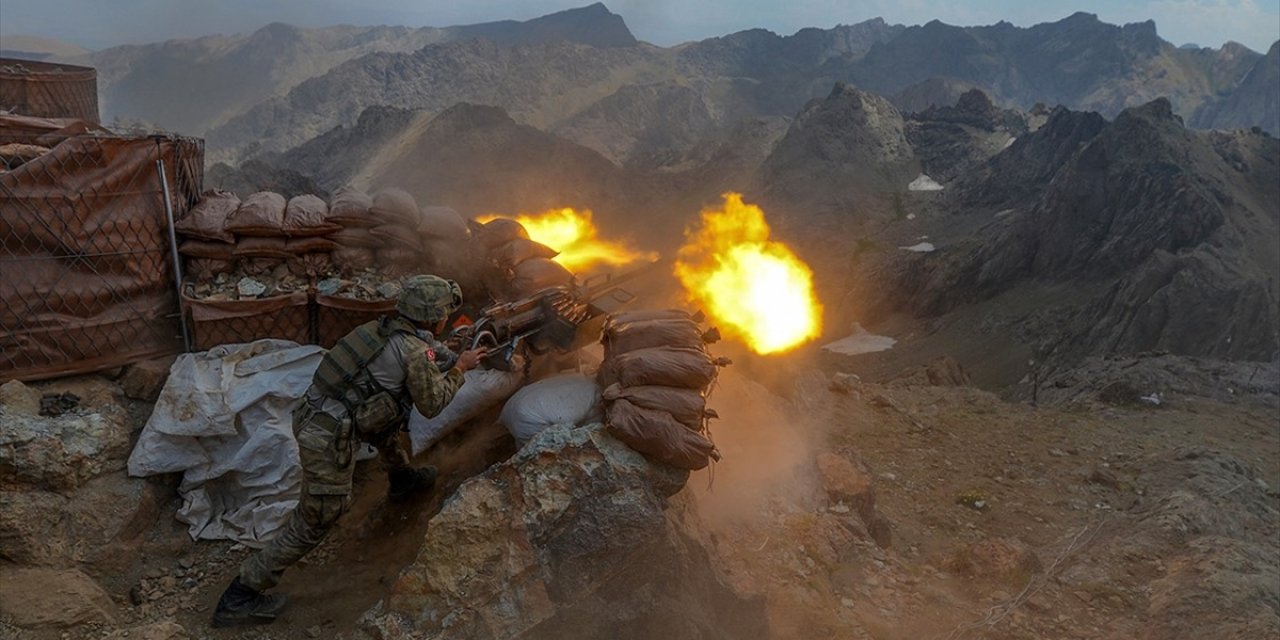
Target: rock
(144, 380)
(250, 288)
(18, 398)
(575, 536)
(843, 481)
(941, 372)
(1004, 559)
(60, 453)
(99, 524)
(40, 598)
(328, 286)
(164, 630)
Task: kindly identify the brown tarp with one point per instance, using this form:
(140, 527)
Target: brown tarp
(87, 280)
(49, 89)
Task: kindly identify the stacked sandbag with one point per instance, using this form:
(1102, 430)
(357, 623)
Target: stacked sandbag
(451, 251)
(306, 226)
(349, 211)
(515, 265)
(398, 251)
(258, 225)
(206, 246)
(656, 374)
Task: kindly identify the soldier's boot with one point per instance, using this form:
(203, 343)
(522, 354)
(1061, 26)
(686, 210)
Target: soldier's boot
(408, 482)
(240, 604)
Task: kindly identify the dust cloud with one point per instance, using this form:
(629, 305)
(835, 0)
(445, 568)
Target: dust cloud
(768, 442)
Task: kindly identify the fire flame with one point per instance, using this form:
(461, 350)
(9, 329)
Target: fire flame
(575, 236)
(755, 288)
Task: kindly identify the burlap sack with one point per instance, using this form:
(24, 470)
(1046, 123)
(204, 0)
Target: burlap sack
(207, 220)
(511, 254)
(394, 235)
(305, 216)
(645, 334)
(687, 406)
(350, 208)
(310, 244)
(396, 206)
(641, 315)
(498, 232)
(536, 274)
(354, 258)
(356, 237)
(261, 248)
(207, 250)
(663, 366)
(317, 265)
(261, 214)
(658, 436)
(443, 223)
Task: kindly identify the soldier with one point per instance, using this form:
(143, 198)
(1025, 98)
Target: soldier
(361, 391)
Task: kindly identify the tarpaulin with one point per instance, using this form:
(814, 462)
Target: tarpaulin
(224, 421)
(88, 279)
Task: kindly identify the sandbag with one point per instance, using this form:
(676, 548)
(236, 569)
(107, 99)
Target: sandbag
(511, 254)
(207, 268)
(310, 264)
(399, 262)
(305, 215)
(261, 214)
(353, 258)
(350, 208)
(207, 220)
(687, 406)
(565, 399)
(663, 366)
(536, 274)
(498, 232)
(207, 250)
(356, 237)
(396, 206)
(641, 315)
(394, 235)
(310, 244)
(645, 334)
(482, 390)
(252, 247)
(259, 266)
(656, 435)
(444, 223)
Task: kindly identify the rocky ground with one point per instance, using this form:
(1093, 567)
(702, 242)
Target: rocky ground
(911, 509)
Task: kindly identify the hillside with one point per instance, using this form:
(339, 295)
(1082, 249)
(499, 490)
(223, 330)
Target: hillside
(192, 86)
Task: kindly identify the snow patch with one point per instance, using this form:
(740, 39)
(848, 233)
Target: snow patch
(924, 183)
(923, 247)
(860, 342)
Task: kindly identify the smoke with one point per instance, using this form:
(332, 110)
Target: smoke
(768, 442)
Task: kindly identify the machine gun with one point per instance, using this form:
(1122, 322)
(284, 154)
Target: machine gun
(564, 318)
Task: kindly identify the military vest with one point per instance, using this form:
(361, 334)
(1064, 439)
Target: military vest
(344, 374)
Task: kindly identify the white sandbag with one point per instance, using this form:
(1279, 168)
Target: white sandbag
(571, 398)
(483, 389)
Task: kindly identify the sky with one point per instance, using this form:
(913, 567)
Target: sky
(96, 24)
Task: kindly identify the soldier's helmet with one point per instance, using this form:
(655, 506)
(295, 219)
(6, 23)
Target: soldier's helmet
(428, 299)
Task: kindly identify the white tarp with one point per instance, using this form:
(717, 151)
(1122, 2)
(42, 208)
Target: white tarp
(862, 341)
(483, 389)
(224, 420)
(924, 183)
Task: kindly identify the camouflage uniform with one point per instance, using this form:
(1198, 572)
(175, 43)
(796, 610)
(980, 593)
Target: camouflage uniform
(326, 447)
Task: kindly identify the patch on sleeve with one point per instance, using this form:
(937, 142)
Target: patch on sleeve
(431, 354)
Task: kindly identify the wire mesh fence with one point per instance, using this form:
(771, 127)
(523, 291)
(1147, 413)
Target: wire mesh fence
(86, 269)
(49, 89)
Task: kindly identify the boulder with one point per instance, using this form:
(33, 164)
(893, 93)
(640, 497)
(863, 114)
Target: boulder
(850, 483)
(144, 380)
(575, 536)
(39, 598)
(60, 453)
(94, 525)
(19, 398)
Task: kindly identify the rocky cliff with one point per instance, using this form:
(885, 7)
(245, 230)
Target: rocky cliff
(575, 536)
